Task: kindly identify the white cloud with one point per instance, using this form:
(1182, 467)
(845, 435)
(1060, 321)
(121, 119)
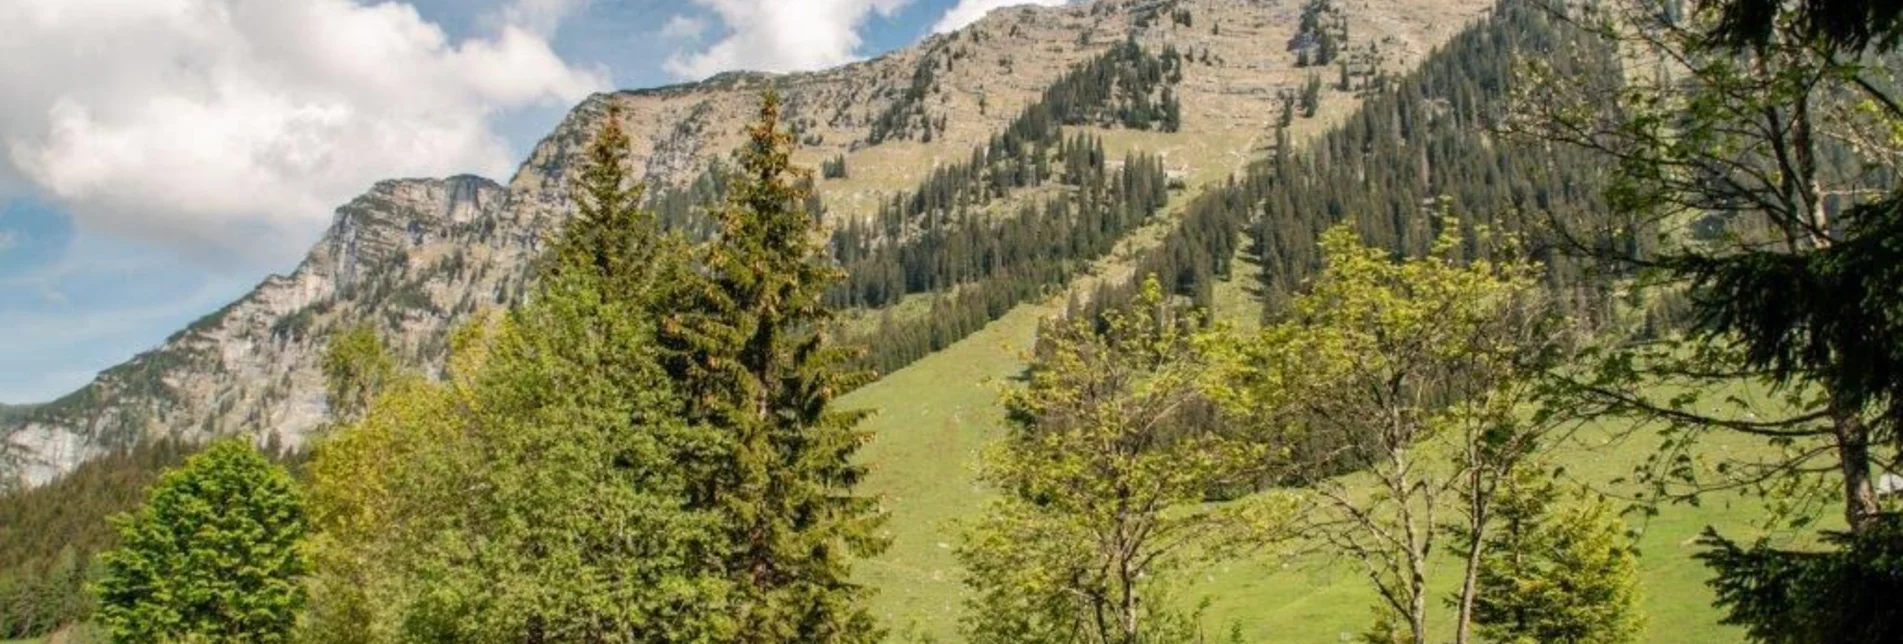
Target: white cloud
(541, 17)
(8, 240)
(684, 28)
(781, 35)
(969, 11)
(231, 128)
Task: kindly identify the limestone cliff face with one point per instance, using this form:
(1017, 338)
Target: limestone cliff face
(250, 367)
(415, 256)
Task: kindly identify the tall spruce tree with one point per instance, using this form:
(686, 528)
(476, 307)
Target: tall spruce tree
(750, 352)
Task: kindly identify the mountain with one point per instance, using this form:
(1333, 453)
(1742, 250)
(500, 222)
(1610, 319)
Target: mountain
(415, 256)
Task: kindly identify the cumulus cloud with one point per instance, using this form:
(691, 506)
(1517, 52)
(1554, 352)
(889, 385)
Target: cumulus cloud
(781, 36)
(231, 128)
(969, 11)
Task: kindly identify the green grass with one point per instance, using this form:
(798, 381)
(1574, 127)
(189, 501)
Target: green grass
(934, 418)
(936, 415)
(1319, 598)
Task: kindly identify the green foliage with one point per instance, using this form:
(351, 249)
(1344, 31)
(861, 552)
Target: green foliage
(46, 597)
(834, 168)
(215, 554)
(1311, 95)
(356, 366)
(1109, 458)
(1846, 594)
(747, 346)
(1556, 574)
(1830, 315)
(542, 491)
(1757, 174)
(1382, 362)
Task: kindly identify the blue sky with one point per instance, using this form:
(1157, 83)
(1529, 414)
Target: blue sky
(157, 160)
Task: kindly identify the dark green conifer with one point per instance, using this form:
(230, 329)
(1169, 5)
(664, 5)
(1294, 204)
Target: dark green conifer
(751, 355)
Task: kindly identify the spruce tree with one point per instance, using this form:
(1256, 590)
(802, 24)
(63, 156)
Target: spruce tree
(543, 491)
(1567, 575)
(750, 352)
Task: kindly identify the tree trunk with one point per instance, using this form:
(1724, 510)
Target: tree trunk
(1469, 584)
(1853, 455)
(1417, 604)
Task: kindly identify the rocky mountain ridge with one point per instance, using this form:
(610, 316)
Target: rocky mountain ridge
(414, 256)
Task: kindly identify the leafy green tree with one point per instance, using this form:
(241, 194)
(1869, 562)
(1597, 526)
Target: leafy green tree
(1390, 367)
(1103, 476)
(541, 492)
(750, 353)
(1566, 575)
(356, 365)
(216, 554)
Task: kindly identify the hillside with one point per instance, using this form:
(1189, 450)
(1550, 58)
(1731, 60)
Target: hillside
(937, 414)
(1029, 166)
(416, 255)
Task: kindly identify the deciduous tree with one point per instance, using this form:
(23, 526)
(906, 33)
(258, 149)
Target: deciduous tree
(1103, 479)
(215, 554)
(1412, 372)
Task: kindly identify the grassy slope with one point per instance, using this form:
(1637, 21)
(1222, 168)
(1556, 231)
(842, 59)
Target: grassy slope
(937, 414)
(934, 417)
(1318, 598)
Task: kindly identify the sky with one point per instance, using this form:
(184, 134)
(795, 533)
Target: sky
(158, 158)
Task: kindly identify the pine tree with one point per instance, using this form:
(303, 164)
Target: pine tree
(216, 554)
(1566, 575)
(750, 351)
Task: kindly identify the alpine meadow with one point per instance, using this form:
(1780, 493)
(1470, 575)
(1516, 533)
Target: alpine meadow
(1086, 322)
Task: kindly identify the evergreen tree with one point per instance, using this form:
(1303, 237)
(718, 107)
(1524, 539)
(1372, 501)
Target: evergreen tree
(1842, 595)
(542, 491)
(49, 534)
(1311, 95)
(216, 554)
(1777, 219)
(1564, 575)
(751, 354)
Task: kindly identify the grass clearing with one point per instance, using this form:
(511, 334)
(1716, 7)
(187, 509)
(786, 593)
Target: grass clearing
(937, 415)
